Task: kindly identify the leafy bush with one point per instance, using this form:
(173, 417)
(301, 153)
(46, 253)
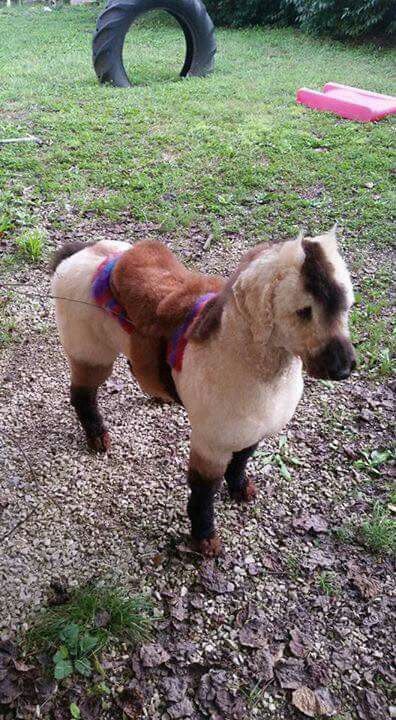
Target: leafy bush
(343, 18)
(251, 12)
(340, 18)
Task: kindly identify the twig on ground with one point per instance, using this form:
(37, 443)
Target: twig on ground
(20, 522)
(27, 138)
(35, 481)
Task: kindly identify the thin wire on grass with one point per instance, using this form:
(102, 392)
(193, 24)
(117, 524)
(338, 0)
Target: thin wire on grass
(12, 286)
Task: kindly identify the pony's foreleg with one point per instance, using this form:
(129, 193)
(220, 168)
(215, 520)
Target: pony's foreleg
(240, 488)
(204, 478)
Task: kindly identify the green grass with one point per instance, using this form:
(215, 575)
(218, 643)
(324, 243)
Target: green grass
(372, 324)
(328, 583)
(293, 566)
(31, 244)
(281, 459)
(75, 632)
(7, 322)
(227, 153)
(378, 532)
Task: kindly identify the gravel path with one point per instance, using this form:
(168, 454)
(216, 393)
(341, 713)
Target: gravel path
(237, 632)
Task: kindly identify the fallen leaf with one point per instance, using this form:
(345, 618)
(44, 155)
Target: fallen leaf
(291, 674)
(214, 580)
(372, 706)
(310, 523)
(153, 655)
(313, 702)
(299, 644)
(325, 702)
(367, 587)
(262, 664)
(318, 672)
(252, 634)
(304, 700)
(215, 696)
(91, 708)
(9, 690)
(131, 702)
(175, 688)
(183, 709)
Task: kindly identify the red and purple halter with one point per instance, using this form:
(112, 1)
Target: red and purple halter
(103, 296)
(177, 343)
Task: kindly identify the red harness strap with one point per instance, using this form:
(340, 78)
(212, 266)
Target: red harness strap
(177, 343)
(103, 295)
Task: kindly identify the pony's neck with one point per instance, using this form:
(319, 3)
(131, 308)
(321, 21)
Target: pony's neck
(264, 359)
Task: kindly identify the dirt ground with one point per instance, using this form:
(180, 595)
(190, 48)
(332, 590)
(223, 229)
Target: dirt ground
(288, 604)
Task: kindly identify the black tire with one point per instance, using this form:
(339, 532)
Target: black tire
(116, 19)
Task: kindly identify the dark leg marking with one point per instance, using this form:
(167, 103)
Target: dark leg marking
(239, 487)
(200, 510)
(83, 400)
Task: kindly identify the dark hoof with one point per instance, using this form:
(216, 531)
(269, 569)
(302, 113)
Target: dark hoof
(210, 547)
(247, 493)
(101, 443)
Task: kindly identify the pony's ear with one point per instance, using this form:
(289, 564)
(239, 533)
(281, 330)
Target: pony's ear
(329, 239)
(292, 251)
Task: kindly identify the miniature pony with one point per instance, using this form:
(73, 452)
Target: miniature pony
(232, 352)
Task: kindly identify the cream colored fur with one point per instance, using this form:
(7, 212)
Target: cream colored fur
(246, 382)
(243, 383)
(88, 334)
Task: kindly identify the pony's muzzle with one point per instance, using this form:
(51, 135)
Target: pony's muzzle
(335, 361)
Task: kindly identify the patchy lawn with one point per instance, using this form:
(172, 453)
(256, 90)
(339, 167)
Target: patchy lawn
(301, 595)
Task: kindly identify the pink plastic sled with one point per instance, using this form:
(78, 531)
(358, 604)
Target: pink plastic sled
(349, 102)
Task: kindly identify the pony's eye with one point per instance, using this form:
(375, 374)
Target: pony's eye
(305, 313)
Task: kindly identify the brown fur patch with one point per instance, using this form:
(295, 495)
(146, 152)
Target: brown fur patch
(318, 277)
(156, 290)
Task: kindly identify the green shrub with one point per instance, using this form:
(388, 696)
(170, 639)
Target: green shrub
(339, 18)
(343, 18)
(251, 12)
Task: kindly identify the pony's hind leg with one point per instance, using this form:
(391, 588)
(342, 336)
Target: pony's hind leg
(85, 381)
(240, 488)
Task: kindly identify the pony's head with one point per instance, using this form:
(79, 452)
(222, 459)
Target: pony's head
(297, 296)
